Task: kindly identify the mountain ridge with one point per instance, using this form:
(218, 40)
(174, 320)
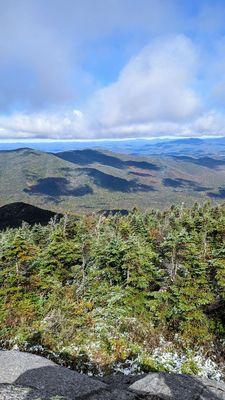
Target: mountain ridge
(14, 214)
(91, 180)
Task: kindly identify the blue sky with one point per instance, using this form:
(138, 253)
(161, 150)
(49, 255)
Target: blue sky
(72, 69)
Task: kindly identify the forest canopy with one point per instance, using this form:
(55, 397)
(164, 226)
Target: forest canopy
(105, 293)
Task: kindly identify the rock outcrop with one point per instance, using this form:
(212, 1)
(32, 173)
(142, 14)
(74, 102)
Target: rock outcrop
(25, 376)
(179, 387)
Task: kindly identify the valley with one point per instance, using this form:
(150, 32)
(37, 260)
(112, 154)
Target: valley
(91, 180)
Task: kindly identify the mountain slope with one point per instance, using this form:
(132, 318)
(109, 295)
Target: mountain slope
(14, 214)
(85, 180)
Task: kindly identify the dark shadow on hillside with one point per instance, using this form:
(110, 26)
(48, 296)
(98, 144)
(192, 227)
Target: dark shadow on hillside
(219, 195)
(203, 161)
(137, 173)
(84, 157)
(142, 165)
(53, 186)
(14, 214)
(184, 183)
(115, 183)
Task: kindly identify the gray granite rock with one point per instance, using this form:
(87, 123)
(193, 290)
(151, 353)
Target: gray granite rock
(13, 364)
(29, 370)
(212, 390)
(26, 376)
(115, 395)
(179, 387)
(13, 392)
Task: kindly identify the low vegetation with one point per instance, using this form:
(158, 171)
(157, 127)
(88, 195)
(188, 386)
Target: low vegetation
(131, 293)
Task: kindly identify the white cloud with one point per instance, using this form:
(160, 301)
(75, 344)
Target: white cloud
(155, 85)
(211, 123)
(73, 125)
(45, 46)
(53, 125)
(155, 95)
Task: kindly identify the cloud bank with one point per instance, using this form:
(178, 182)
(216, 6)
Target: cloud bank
(57, 80)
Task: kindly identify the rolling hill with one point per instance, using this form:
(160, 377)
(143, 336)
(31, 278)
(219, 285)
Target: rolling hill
(14, 214)
(89, 180)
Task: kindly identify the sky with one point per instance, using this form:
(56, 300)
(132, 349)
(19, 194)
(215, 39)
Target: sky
(94, 69)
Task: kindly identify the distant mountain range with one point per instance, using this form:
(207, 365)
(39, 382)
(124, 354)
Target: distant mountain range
(197, 147)
(90, 180)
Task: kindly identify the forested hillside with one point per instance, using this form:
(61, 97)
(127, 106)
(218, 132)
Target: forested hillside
(14, 214)
(91, 180)
(135, 293)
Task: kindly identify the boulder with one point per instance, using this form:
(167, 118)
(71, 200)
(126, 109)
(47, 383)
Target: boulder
(28, 370)
(25, 376)
(178, 386)
(14, 392)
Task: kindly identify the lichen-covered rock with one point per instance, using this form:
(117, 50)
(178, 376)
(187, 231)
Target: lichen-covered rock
(14, 392)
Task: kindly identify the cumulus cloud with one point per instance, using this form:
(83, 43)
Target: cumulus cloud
(155, 95)
(156, 85)
(56, 79)
(55, 125)
(44, 45)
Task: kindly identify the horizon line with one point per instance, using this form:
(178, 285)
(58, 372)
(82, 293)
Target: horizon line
(31, 140)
